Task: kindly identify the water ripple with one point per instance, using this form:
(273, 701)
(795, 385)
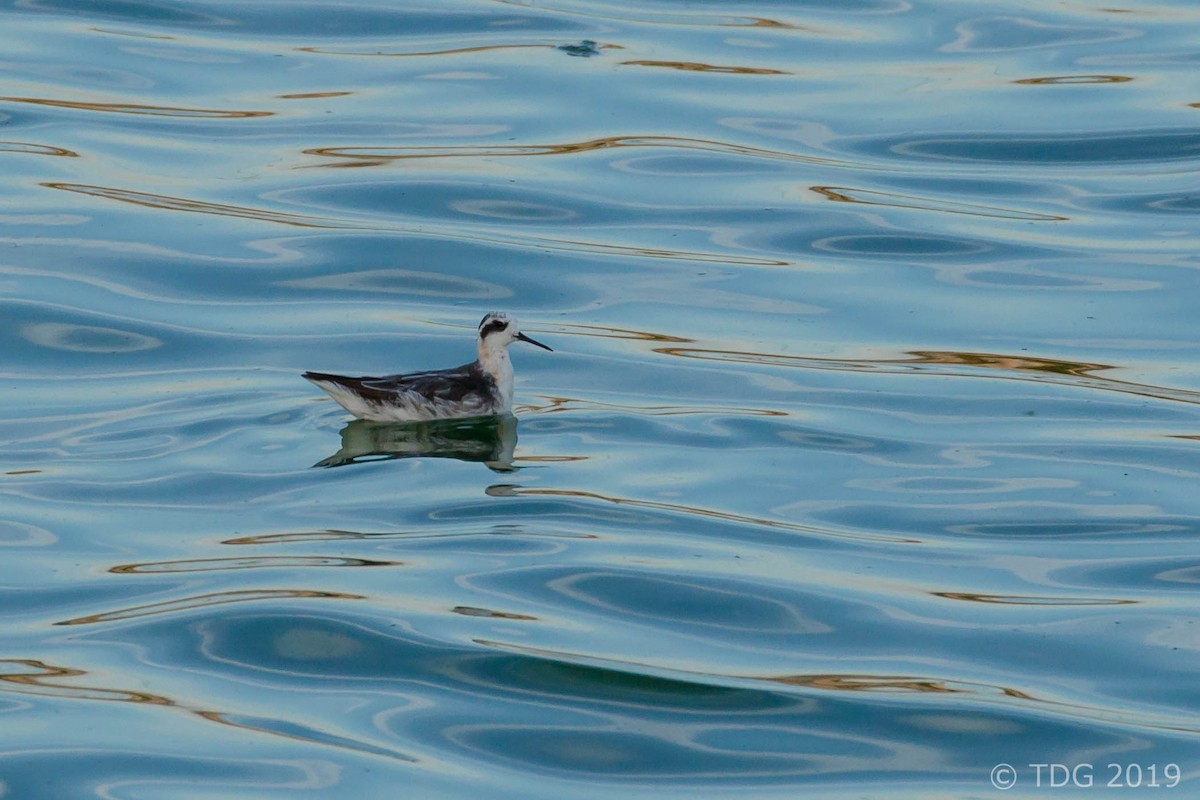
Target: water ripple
(141, 110)
(1029, 600)
(87, 338)
(1072, 80)
(378, 156)
(1002, 34)
(840, 194)
(626, 13)
(36, 149)
(447, 51)
(1070, 149)
(709, 513)
(984, 365)
(696, 66)
(30, 676)
(557, 405)
(166, 202)
(201, 601)
(261, 562)
(301, 733)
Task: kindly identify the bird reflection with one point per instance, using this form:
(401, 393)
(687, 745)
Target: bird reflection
(489, 440)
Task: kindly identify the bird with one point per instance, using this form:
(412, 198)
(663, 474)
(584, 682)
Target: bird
(482, 388)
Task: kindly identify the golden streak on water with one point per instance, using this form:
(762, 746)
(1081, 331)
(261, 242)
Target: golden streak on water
(898, 683)
(145, 110)
(385, 154)
(36, 149)
(213, 564)
(867, 683)
(725, 516)
(166, 202)
(302, 536)
(42, 681)
(603, 248)
(472, 611)
(1069, 80)
(200, 601)
(628, 15)
(1032, 600)
(555, 405)
(135, 34)
(870, 683)
(312, 95)
(1043, 369)
(842, 194)
(445, 52)
(267, 539)
(905, 683)
(697, 66)
(606, 332)
(1002, 361)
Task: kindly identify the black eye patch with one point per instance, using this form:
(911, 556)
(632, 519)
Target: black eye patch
(495, 326)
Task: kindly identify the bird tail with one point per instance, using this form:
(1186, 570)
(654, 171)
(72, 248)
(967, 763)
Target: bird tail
(324, 377)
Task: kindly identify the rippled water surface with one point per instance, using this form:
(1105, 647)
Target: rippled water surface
(862, 463)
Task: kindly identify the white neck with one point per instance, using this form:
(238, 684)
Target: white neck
(493, 357)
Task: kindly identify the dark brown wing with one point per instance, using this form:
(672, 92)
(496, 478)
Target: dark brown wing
(447, 385)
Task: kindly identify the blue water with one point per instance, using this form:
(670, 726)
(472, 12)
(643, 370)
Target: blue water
(865, 461)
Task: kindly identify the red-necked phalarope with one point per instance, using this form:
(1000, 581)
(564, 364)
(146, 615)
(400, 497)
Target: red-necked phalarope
(482, 388)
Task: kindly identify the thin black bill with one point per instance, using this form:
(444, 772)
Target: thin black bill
(523, 338)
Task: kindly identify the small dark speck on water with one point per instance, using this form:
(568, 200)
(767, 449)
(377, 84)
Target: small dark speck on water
(585, 49)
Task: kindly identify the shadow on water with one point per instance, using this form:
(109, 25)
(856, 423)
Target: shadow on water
(490, 441)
